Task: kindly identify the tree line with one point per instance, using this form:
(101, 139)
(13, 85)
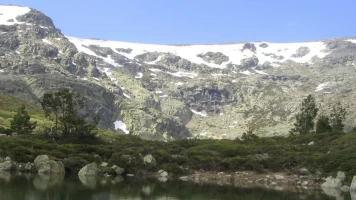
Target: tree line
(62, 107)
(305, 119)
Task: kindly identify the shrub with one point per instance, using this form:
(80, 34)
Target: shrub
(74, 164)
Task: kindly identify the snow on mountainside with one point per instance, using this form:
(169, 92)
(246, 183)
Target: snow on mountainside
(176, 91)
(275, 53)
(8, 14)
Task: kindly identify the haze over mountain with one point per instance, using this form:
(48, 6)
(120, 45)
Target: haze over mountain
(176, 91)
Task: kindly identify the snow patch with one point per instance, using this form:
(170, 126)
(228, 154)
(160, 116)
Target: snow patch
(260, 72)
(95, 78)
(321, 86)
(163, 96)
(199, 113)
(248, 73)
(183, 74)
(233, 51)
(154, 70)
(1, 71)
(179, 83)
(122, 126)
(158, 92)
(139, 75)
(353, 41)
(46, 41)
(10, 13)
(218, 74)
(126, 95)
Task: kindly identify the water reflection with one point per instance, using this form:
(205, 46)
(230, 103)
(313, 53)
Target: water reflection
(29, 187)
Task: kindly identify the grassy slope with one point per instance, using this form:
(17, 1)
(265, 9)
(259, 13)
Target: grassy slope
(9, 106)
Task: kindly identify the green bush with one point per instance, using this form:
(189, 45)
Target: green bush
(74, 164)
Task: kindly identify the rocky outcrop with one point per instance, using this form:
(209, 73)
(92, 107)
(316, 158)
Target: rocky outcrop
(334, 183)
(214, 57)
(301, 51)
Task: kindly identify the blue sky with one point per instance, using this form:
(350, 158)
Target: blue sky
(200, 21)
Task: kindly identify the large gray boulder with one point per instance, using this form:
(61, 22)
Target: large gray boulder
(7, 166)
(149, 160)
(39, 159)
(44, 165)
(333, 183)
(89, 170)
(51, 167)
(119, 170)
(353, 184)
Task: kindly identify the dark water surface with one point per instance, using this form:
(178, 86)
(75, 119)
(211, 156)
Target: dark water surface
(41, 187)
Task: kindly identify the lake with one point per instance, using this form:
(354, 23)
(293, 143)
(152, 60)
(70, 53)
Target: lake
(42, 187)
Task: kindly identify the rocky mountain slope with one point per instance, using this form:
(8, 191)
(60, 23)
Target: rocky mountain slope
(176, 91)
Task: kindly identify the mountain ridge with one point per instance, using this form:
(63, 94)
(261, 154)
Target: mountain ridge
(165, 92)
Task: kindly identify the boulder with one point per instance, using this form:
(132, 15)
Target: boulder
(119, 170)
(345, 188)
(7, 166)
(89, 170)
(104, 164)
(333, 183)
(7, 158)
(39, 159)
(162, 173)
(149, 160)
(353, 184)
(28, 167)
(278, 177)
(341, 175)
(304, 171)
(50, 167)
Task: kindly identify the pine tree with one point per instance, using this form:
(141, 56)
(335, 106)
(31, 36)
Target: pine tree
(338, 115)
(21, 122)
(305, 118)
(323, 124)
(63, 107)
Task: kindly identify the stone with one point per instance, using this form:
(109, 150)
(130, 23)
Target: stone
(149, 160)
(311, 143)
(104, 164)
(130, 175)
(341, 175)
(28, 167)
(119, 170)
(89, 170)
(278, 177)
(7, 158)
(353, 184)
(304, 171)
(50, 167)
(162, 173)
(345, 188)
(332, 183)
(39, 159)
(305, 183)
(7, 166)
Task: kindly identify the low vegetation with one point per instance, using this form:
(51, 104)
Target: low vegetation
(323, 153)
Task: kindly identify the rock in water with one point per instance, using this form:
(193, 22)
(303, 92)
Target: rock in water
(89, 170)
(149, 160)
(51, 167)
(119, 170)
(7, 166)
(341, 175)
(39, 159)
(353, 184)
(162, 173)
(333, 183)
